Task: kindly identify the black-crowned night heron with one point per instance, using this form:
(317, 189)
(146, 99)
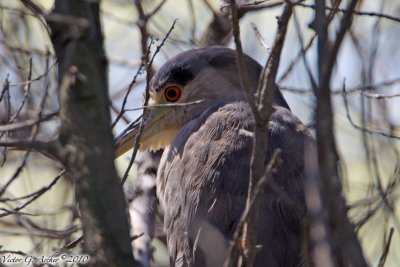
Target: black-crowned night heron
(203, 176)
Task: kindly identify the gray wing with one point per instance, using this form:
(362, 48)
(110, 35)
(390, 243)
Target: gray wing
(203, 181)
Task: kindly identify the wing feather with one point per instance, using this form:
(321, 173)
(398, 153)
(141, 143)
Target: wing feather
(203, 181)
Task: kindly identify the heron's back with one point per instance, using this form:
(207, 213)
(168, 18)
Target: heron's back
(203, 181)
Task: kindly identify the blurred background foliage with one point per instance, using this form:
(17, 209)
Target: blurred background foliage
(367, 67)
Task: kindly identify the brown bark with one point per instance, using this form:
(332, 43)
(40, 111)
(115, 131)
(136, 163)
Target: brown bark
(86, 140)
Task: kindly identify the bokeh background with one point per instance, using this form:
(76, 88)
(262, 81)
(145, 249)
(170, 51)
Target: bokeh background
(368, 67)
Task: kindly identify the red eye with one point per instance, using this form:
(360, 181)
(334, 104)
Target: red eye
(172, 93)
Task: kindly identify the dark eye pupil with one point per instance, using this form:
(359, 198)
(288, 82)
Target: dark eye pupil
(171, 93)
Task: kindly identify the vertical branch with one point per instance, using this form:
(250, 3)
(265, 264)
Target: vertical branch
(250, 226)
(145, 48)
(219, 30)
(88, 149)
(143, 247)
(262, 110)
(142, 24)
(320, 243)
(3, 95)
(387, 242)
(342, 231)
(146, 100)
(321, 28)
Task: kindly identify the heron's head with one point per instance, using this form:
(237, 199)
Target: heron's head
(183, 88)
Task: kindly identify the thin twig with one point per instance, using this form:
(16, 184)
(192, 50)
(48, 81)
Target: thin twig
(305, 62)
(265, 179)
(304, 49)
(380, 96)
(346, 105)
(352, 90)
(4, 92)
(36, 194)
(385, 251)
(16, 173)
(260, 37)
(330, 59)
(170, 105)
(355, 12)
(74, 243)
(117, 112)
(27, 93)
(156, 9)
(24, 50)
(125, 100)
(146, 101)
(255, 6)
(261, 112)
(240, 60)
(29, 81)
(342, 231)
(27, 123)
(34, 7)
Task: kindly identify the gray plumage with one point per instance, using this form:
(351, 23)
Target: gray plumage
(203, 177)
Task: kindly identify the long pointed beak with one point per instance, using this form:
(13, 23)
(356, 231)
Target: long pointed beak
(154, 136)
(126, 139)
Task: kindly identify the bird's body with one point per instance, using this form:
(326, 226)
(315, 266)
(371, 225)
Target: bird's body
(202, 180)
(192, 201)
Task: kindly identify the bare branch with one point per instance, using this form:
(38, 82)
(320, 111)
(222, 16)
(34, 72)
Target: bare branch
(35, 195)
(385, 251)
(146, 101)
(363, 129)
(87, 146)
(125, 100)
(355, 12)
(258, 5)
(156, 9)
(16, 173)
(262, 182)
(352, 90)
(240, 61)
(259, 37)
(171, 105)
(261, 112)
(27, 123)
(380, 96)
(342, 231)
(32, 6)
